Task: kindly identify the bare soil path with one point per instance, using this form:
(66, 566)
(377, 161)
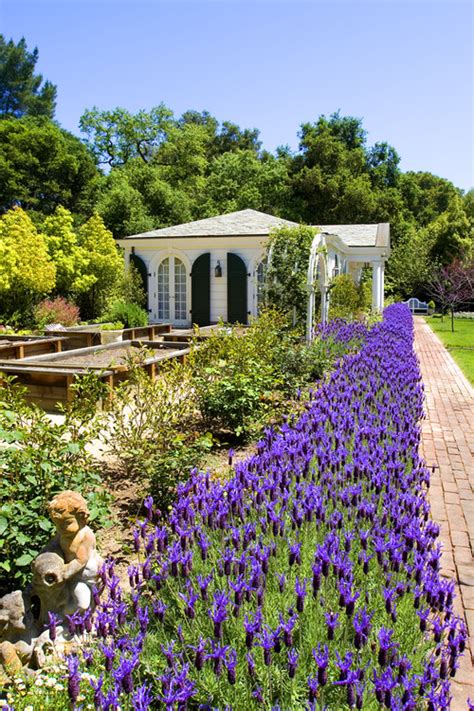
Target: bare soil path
(448, 444)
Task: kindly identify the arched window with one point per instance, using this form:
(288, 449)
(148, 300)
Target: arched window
(172, 291)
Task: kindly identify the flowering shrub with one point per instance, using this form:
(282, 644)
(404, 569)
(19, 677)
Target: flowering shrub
(310, 580)
(57, 310)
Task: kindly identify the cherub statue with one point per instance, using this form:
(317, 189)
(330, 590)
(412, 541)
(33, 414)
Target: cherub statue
(21, 642)
(75, 543)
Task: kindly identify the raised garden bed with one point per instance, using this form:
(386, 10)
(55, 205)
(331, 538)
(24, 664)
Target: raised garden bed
(18, 347)
(48, 378)
(90, 335)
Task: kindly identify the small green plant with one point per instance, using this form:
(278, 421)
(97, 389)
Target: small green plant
(39, 458)
(131, 315)
(344, 300)
(116, 326)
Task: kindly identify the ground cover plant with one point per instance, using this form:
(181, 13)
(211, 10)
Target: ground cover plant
(39, 458)
(309, 580)
(460, 343)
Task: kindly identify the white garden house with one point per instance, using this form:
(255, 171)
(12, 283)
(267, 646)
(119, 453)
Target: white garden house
(211, 269)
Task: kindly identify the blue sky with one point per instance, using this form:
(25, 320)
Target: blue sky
(406, 68)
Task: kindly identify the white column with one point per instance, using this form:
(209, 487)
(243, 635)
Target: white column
(324, 304)
(381, 286)
(376, 280)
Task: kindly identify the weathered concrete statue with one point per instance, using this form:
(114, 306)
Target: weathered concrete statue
(64, 574)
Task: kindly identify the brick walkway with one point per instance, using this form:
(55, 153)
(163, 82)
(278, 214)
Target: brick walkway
(448, 443)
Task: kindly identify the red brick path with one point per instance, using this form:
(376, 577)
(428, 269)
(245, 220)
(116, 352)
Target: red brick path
(448, 443)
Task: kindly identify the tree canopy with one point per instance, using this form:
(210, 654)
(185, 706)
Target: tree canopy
(22, 92)
(149, 169)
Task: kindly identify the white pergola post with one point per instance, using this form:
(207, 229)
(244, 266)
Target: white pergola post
(313, 258)
(378, 268)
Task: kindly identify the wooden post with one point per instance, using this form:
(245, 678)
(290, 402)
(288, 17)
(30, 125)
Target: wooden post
(110, 385)
(69, 392)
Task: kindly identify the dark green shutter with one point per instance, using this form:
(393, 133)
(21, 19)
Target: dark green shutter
(141, 267)
(201, 290)
(236, 289)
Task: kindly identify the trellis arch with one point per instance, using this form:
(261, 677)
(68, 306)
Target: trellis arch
(317, 259)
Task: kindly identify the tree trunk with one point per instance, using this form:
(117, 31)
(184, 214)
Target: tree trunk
(452, 320)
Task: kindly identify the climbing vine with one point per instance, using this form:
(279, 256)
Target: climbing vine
(287, 258)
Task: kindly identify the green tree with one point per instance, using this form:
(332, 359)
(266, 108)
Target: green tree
(71, 260)
(409, 265)
(22, 92)
(240, 180)
(329, 177)
(26, 270)
(382, 161)
(122, 206)
(104, 266)
(43, 166)
(426, 196)
(468, 200)
(117, 136)
(451, 235)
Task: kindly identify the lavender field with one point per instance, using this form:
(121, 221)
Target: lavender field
(309, 580)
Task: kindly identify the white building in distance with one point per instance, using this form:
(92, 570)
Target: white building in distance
(211, 269)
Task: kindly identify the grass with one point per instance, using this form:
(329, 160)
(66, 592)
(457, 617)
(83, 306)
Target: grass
(460, 343)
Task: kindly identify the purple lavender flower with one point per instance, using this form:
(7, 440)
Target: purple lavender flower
(52, 625)
(293, 657)
(321, 657)
(199, 653)
(332, 622)
(74, 678)
(385, 645)
(300, 590)
(142, 698)
(231, 664)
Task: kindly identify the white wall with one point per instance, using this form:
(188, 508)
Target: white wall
(250, 249)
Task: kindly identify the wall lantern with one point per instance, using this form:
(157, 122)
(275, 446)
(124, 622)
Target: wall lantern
(218, 269)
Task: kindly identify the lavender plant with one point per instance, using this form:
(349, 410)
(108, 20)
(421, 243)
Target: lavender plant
(310, 580)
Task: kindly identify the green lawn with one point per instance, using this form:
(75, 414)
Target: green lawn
(460, 343)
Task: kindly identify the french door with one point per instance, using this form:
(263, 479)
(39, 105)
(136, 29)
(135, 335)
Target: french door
(172, 291)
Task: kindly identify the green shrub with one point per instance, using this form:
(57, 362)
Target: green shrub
(344, 300)
(236, 371)
(129, 288)
(149, 426)
(39, 458)
(116, 326)
(131, 315)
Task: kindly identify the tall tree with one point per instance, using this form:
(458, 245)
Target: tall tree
(451, 235)
(22, 92)
(116, 137)
(43, 166)
(70, 259)
(104, 266)
(26, 269)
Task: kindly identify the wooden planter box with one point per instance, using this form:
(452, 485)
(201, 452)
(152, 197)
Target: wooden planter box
(18, 347)
(48, 378)
(90, 335)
